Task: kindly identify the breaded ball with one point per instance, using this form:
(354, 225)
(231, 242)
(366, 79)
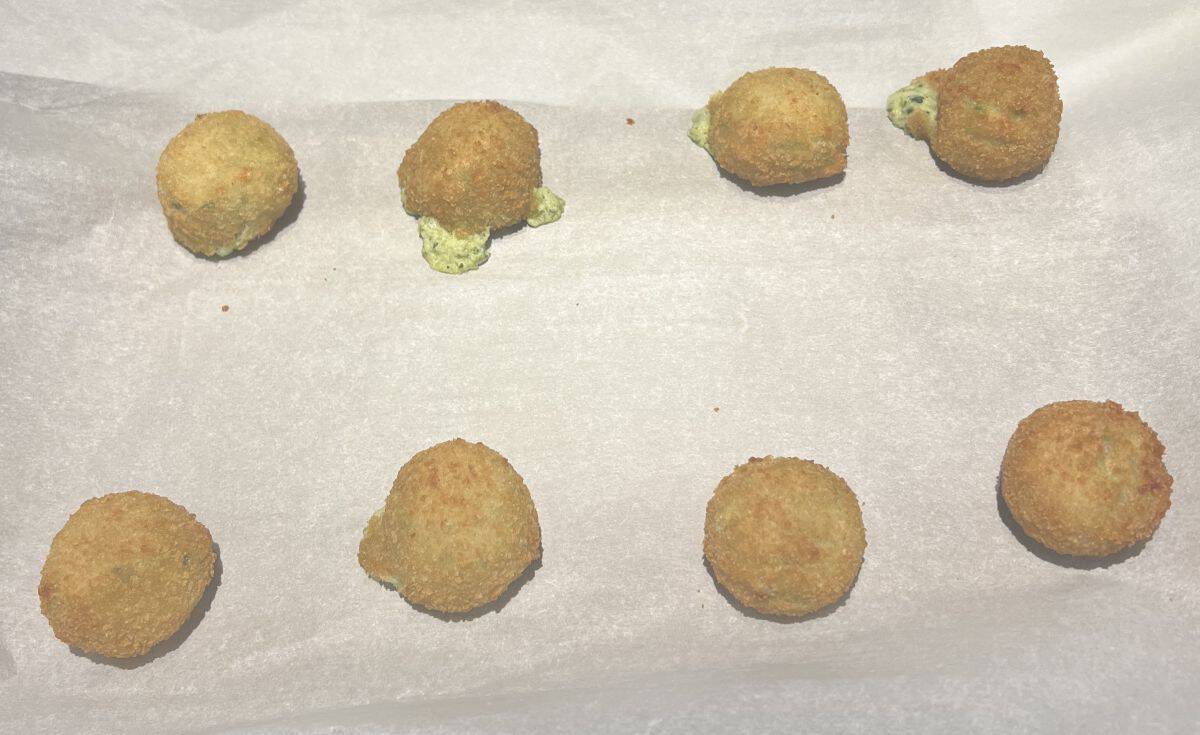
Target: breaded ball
(125, 573)
(475, 169)
(457, 529)
(993, 116)
(776, 126)
(784, 536)
(1085, 478)
(224, 180)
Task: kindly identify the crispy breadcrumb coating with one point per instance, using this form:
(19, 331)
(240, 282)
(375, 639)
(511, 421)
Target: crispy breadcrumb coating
(458, 527)
(776, 126)
(993, 116)
(1085, 478)
(476, 168)
(125, 573)
(473, 169)
(784, 536)
(224, 180)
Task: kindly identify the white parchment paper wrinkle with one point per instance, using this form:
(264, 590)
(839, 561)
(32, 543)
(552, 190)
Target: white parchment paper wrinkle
(894, 327)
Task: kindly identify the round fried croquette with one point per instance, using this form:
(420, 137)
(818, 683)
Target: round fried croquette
(784, 536)
(779, 126)
(125, 573)
(1085, 478)
(457, 529)
(994, 116)
(224, 180)
(998, 114)
(474, 169)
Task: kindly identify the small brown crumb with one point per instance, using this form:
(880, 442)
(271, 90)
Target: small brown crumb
(224, 307)
(716, 409)
(629, 121)
(833, 216)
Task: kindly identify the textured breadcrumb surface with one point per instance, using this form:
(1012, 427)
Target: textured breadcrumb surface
(998, 114)
(125, 573)
(1085, 478)
(776, 126)
(994, 116)
(473, 169)
(784, 536)
(458, 527)
(224, 180)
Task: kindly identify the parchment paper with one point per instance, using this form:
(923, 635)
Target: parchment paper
(894, 326)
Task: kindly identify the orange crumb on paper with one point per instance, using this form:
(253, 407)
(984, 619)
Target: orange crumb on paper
(629, 121)
(224, 307)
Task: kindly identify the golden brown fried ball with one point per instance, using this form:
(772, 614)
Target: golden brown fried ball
(778, 126)
(475, 168)
(125, 573)
(993, 116)
(784, 536)
(224, 180)
(457, 529)
(1085, 478)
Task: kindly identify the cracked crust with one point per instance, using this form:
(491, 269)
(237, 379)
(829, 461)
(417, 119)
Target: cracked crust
(921, 121)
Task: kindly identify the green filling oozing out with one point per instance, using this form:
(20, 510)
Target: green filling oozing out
(904, 102)
(449, 254)
(547, 207)
(446, 252)
(701, 120)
